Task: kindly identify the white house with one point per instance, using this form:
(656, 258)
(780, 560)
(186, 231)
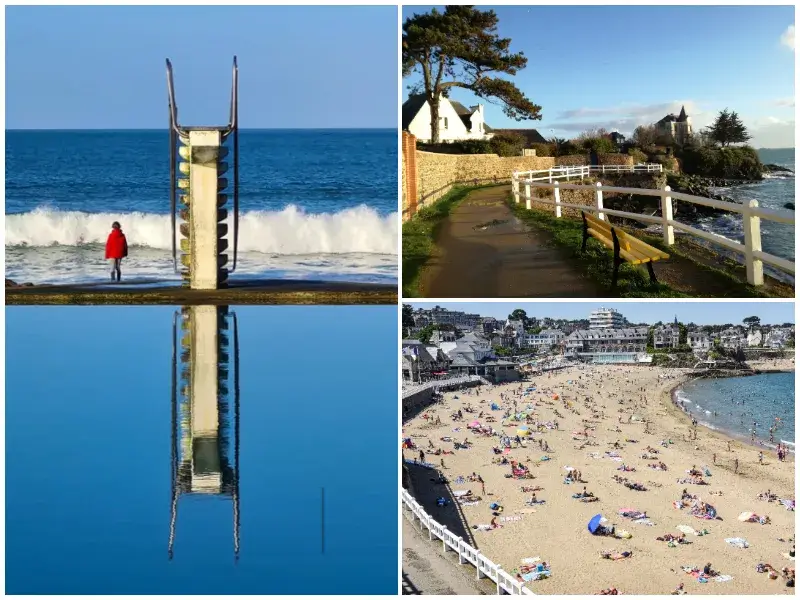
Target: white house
(456, 121)
(666, 336)
(699, 341)
(544, 339)
(754, 338)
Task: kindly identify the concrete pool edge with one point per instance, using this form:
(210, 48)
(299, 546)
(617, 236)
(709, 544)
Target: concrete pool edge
(267, 292)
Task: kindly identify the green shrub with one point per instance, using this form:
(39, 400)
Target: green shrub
(599, 145)
(544, 149)
(507, 143)
(637, 155)
(732, 162)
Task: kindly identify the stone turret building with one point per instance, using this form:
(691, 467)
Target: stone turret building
(679, 128)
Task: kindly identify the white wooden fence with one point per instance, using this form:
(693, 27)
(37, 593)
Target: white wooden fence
(505, 583)
(754, 256)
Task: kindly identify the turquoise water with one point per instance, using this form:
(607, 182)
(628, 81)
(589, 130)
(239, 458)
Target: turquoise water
(738, 401)
(139, 466)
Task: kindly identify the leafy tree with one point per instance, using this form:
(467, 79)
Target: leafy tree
(425, 334)
(518, 315)
(650, 340)
(682, 334)
(500, 351)
(557, 143)
(728, 129)
(644, 136)
(408, 318)
(460, 47)
(751, 322)
(739, 356)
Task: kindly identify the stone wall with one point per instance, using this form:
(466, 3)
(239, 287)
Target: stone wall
(438, 173)
(572, 160)
(615, 159)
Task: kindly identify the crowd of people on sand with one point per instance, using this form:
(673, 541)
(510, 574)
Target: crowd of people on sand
(520, 451)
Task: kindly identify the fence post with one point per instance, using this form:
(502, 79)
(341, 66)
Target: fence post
(527, 194)
(752, 244)
(461, 559)
(557, 198)
(604, 169)
(550, 176)
(497, 579)
(515, 186)
(666, 217)
(444, 537)
(599, 192)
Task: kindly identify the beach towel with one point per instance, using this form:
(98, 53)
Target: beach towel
(483, 527)
(722, 578)
(536, 575)
(531, 561)
(738, 542)
(687, 530)
(470, 503)
(511, 518)
(458, 493)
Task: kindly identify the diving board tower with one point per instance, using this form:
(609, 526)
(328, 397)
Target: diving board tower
(205, 409)
(197, 169)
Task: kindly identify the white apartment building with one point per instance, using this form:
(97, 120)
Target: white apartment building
(606, 318)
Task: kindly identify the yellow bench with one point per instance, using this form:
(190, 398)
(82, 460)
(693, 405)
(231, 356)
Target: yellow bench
(625, 246)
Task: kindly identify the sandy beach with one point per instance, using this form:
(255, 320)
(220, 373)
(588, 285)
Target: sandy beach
(610, 404)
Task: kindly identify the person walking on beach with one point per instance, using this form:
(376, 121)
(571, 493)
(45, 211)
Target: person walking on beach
(761, 458)
(116, 250)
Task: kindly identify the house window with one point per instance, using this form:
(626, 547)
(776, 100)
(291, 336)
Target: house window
(445, 122)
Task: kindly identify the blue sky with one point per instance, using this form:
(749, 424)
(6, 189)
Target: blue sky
(702, 313)
(622, 66)
(103, 66)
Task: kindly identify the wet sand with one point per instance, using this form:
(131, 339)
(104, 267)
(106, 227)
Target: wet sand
(557, 530)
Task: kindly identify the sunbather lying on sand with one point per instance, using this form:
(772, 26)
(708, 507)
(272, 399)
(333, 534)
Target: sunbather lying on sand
(669, 537)
(615, 555)
(609, 592)
(660, 466)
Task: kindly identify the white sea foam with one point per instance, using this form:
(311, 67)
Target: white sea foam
(291, 231)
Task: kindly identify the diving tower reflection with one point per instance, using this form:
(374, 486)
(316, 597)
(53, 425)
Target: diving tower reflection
(205, 409)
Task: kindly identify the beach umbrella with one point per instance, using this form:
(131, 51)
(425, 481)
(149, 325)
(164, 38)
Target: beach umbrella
(594, 524)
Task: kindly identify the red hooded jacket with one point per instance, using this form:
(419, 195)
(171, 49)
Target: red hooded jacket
(117, 245)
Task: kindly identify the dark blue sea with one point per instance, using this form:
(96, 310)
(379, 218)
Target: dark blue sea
(738, 401)
(155, 450)
(315, 204)
(775, 191)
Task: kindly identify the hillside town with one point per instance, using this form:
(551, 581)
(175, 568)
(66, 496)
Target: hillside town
(440, 343)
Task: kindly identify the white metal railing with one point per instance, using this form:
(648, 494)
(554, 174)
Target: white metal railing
(505, 583)
(410, 390)
(754, 256)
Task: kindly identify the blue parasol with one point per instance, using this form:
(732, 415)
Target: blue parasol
(594, 524)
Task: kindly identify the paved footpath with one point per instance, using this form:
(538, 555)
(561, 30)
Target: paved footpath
(427, 571)
(484, 251)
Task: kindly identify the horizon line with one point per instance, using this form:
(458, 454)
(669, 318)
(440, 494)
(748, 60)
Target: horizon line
(167, 128)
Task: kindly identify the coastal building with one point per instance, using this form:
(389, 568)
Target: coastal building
(623, 345)
(442, 316)
(545, 339)
(666, 336)
(777, 338)
(422, 362)
(606, 318)
(677, 129)
(456, 121)
(699, 341)
(732, 338)
(472, 355)
(440, 335)
(486, 326)
(516, 325)
(754, 338)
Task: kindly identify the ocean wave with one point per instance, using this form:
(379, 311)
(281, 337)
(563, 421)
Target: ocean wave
(288, 231)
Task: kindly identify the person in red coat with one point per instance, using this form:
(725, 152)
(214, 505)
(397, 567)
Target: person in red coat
(116, 250)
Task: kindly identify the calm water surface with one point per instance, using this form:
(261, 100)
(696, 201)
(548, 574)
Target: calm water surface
(99, 463)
